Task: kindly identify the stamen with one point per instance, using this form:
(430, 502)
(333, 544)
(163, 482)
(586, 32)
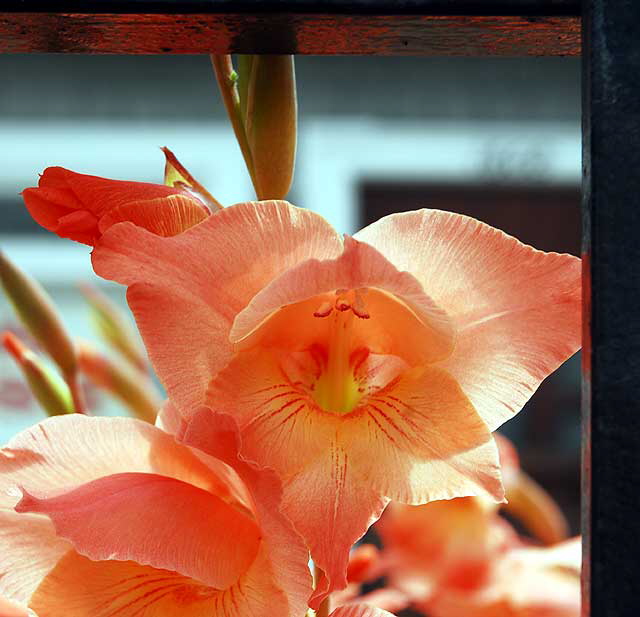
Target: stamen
(342, 304)
(324, 310)
(358, 307)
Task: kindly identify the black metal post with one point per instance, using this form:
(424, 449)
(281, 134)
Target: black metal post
(611, 405)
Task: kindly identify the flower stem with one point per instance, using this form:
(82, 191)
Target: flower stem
(223, 68)
(323, 609)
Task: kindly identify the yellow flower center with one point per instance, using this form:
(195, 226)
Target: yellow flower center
(337, 389)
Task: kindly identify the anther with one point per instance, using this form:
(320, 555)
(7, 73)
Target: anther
(324, 310)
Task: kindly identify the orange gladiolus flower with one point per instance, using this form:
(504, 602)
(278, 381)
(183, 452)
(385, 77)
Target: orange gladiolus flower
(82, 207)
(106, 516)
(362, 368)
(525, 582)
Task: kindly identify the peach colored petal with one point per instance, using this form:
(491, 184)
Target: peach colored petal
(154, 520)
(332, 507)
(359, 610)
(419, 440)
(416, 440)
(359, 266)
(282, 564)
(62, 453)
(29, 549)
(516, 309)
(11, 609)
(79, 587)
(185, 291)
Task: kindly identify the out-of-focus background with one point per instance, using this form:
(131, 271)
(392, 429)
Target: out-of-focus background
(498, 139)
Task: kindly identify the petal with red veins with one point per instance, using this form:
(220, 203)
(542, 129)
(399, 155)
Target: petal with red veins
(416, 439)
(282, 564)
(360, 266)
(185, 291)
(154, 520)
(516, 309)
(78, 587)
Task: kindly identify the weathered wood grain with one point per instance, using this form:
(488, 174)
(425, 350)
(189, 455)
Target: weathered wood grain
(529, 8)
(611, 356)
(433, 35)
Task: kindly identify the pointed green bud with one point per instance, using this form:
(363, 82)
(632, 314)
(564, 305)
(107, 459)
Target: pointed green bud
(178, 176)
(261, 103)
(271, 124)
(114, 328)
(121, 380)
(49, 389)
(39, 315)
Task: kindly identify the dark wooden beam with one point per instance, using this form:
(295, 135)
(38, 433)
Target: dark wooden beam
(293, 32)
(611, 382)
(547, 8)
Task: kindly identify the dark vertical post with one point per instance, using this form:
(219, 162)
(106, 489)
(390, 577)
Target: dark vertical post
(611, 133)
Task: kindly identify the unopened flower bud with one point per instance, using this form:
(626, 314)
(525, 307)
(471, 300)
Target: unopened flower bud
(37, 312)
(114, 328)
(271, 123)
(178, 176)
(262, 106)
(48, 387)
(121, 380)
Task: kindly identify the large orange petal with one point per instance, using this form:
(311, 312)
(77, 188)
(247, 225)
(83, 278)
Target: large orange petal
(79, 587)
(358, 266)
(29, 550)
(281, 569)
(154, 520)
(428, 440)
(417, 439)
(516, 309)
(64, 452)
(332, 506)
(185, 291)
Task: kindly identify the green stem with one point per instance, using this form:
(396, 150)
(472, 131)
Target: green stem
(323, 609)
(223, 68)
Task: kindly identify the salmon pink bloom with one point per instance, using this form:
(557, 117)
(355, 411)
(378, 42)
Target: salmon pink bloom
(82, 207)
(112, 516)
(362, 368)
(525, 582)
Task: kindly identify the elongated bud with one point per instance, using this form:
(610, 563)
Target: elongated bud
(271, 124)
(121, 380)
(37, 312)
(47, 387)
(112, 325)
(178, 176)
(530, 504)
(262, 106)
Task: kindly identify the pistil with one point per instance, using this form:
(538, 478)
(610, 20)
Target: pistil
(337, 389)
